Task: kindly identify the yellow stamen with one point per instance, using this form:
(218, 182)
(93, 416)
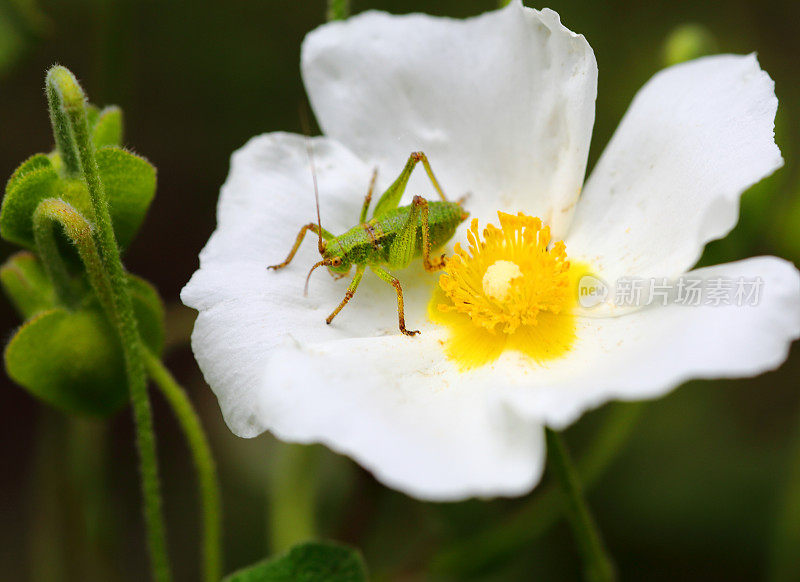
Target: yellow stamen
(511, 290)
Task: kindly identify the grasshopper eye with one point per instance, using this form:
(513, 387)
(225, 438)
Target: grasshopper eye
(336, 261)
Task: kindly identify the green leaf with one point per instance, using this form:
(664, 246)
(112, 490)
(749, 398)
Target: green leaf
(92, 114)
(107, 127)
(26, 284)
(308, 562)
(149, 311)
(71, 360)
(130, 184)
(57, 162)
(35, 162)
(34, 181)
(74, 192)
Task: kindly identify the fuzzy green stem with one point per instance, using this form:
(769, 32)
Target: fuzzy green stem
(44, 218)
(292, 496)
(338, 9)
(51, 212)
(86, 436)
(72, 104)
(597, 565)
(496, 542)
(60, 85)
(203, 462)
(502, 3)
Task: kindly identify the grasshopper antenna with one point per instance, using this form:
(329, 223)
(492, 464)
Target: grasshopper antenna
(308, 277)
(320, 243)
(307, 131)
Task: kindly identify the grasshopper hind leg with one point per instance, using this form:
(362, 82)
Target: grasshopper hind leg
(402, 249)
(439, 262)
(395, 282)
(368, 197)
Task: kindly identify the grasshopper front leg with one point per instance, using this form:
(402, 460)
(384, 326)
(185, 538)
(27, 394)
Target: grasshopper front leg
(351, 290)
(300, 236)
(394, 282)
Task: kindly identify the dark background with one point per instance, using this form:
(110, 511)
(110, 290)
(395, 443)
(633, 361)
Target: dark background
(697, 493)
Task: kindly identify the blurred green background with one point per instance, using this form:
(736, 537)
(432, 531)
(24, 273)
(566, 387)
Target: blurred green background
(700, 488)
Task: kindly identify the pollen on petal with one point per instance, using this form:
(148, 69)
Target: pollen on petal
(511, 289)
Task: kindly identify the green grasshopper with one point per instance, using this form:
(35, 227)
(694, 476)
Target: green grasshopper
(391, 238)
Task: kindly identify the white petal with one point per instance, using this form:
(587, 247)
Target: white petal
(695, 137)
(400, 410)
(245, 310)
(502, 104)
(647, 353)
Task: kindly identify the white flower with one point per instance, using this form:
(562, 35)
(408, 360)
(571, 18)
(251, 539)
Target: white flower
(503, 105)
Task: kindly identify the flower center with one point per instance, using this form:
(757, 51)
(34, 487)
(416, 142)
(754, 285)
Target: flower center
(510, 289)
(498, 277)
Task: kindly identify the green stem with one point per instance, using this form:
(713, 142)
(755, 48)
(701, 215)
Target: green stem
(47, 553)
(44, 218)
(62, 131)
(203, 462)
(597, 565)
(783, 565)
(338, 9)
(292, 496)
(52, 212)
(88, 502)
(502, 539)
(67, 102)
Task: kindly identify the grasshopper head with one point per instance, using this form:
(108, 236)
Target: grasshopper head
(336, 260)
